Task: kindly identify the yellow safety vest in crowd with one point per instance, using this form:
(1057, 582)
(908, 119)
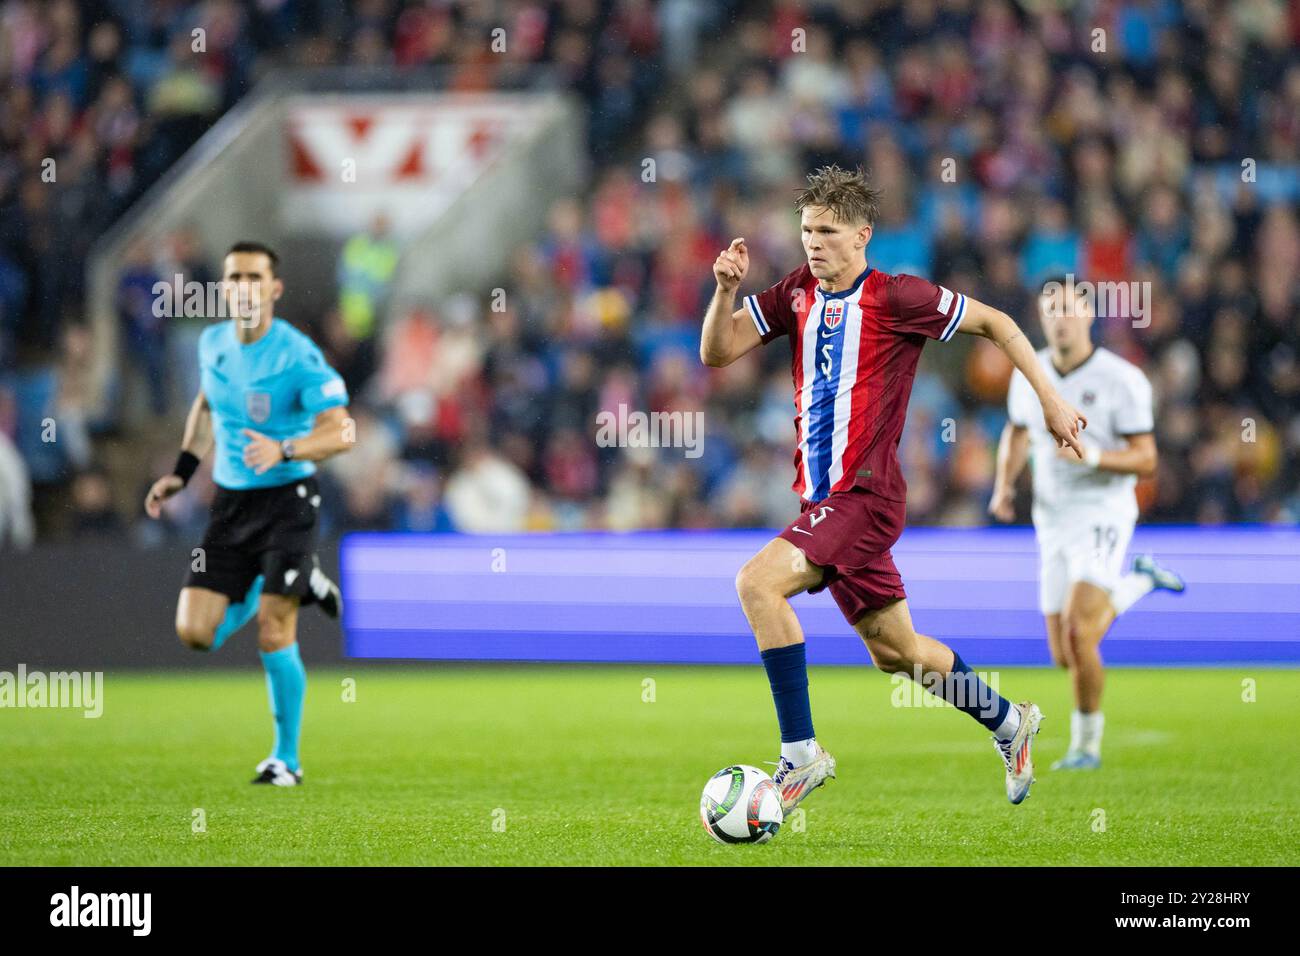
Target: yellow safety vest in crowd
(368, 267)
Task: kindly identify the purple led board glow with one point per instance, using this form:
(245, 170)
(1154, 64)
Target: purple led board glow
(669, 597)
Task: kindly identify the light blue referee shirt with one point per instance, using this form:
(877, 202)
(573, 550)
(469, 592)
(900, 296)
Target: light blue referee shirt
(276, 386)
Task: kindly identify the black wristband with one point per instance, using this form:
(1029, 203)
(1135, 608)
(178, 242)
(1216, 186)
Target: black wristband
(186, 465)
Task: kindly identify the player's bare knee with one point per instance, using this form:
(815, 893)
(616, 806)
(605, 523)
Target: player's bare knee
(1084, 649)
(751, 585)
(1077, 648)
(275, 628)
(273, 634)
(890, 660)
(1082, 629)
(196, 635)
(271, 619)
(275, 640)
(1062, 646)
(1070, 644)
(890, 651)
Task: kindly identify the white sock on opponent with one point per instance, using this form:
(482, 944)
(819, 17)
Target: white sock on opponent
(1093, 725)
(1129, 590)
(1085, 731)
(800, 752)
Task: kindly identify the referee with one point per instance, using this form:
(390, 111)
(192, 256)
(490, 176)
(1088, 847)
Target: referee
(273, 407)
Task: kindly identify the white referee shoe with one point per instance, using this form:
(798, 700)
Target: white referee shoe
(277, 773)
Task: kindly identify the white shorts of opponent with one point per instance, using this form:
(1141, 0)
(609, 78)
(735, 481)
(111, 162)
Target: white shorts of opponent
(1080, 543)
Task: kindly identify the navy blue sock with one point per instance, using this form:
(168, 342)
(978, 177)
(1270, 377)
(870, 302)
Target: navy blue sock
(787, 672)
(964, 690)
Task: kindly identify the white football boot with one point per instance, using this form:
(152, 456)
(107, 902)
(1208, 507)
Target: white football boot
(795, 783)
(1016, 752)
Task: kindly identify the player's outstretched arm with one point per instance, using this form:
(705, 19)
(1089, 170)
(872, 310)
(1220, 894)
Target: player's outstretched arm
(728, 332)
(1138, 457)
(1063, 420)
(332, 432)
(196, 443)
(1013, 455)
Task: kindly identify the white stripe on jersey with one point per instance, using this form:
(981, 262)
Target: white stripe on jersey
(809, 342)
(852, 326)
(756, 313)
(959, 310)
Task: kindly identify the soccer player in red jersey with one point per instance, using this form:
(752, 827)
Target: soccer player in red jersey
(856, 335)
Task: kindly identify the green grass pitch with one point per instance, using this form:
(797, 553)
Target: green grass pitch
(569, 765)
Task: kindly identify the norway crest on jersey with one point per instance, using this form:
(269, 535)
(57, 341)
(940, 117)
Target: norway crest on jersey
(833, 314)
(258, 406)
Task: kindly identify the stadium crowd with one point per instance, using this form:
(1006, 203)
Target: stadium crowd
(1129, 141)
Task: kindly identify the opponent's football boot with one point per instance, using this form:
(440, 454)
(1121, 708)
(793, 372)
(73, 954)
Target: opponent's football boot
(1165, 580)
(1077, 760)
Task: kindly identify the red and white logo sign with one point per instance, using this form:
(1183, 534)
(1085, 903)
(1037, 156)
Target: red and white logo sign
(351, 157)
(378, 148)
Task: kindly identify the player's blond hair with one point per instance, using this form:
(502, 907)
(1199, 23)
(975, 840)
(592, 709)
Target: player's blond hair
(846, 194)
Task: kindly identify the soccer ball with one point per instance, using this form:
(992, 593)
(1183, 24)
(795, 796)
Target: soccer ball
(741, 804)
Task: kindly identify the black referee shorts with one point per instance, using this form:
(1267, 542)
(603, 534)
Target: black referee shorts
(266, 531)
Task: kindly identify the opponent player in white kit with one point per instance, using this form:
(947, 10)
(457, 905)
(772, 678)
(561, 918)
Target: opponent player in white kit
(1084, 511)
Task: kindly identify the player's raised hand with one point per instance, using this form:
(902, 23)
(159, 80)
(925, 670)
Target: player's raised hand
(162, 489)
(261, 453)
(1065, 422)
(731, 265)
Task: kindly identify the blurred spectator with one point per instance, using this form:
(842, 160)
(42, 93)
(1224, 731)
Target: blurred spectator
(420, 507)
(17, 527)
(183, 261)
(145, 329)
(93, 513)
(1007, 147)
(487, 494)
(365, 271)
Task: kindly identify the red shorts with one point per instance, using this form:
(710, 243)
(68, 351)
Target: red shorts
(849, 534)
